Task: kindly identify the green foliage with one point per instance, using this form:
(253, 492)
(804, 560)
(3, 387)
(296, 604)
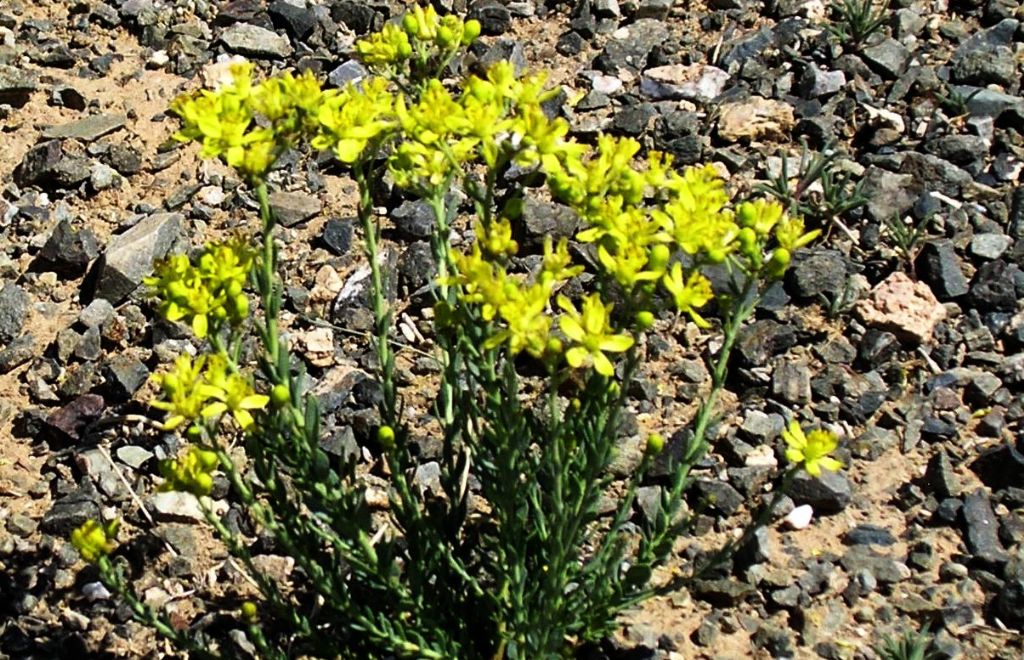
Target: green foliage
(906, 237)
(531, 388)
(911, 645)
(838, 195)
(857, 21)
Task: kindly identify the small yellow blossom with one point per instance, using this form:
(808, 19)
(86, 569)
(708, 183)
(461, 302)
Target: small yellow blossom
(230, 392)
(94, 540)
(690, 294)
(591, 333)
(811, 450)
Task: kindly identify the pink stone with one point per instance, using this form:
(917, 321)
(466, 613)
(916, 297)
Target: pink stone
(904, 307)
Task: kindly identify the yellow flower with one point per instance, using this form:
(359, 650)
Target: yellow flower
(93, 540)
(231, 392)
(811, 450)
(591, 332)
(354, 117)
(689, 295)
(385, 48)
(790, 234)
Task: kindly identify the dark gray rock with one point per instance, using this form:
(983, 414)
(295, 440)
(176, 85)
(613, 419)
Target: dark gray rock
(867, 534)
(987, 56)
(124, 376)
(68, 251)
(66, 424)
(124, 158)
(70, 512)
(14, 303)
(764, 338)
(888, 57)
(939, 477)
(791, 381)
(292, 208)
(981, 529)
(884, 569)
(357, 15)
(722, 593)
(413, 220)
(129, 257)
(337, 236)
(933, 173)
(967, 151)
(815, 83)
(774, 640)
(541, 218)
(1001, 466)
(39, 165)
(938, 265)
(631, 52)
(494, 17)
(297, 21)
(718, 496)
(416, 267)
(993, 287)
(820, 271)
(829, 493)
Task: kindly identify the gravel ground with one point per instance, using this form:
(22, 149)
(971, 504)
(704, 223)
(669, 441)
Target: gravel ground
(908, 346)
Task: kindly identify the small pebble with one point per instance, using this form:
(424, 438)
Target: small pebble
(800, 517)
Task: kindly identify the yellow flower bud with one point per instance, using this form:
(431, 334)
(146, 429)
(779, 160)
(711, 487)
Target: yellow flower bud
(716, 255)
(445, 37)
(410, 24)
(249, 612)
(746, 214)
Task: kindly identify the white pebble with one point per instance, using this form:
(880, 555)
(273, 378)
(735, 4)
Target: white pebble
(800, 517)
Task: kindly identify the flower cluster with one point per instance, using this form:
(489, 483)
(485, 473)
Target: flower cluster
(207, 293)
(811, 450)
(247, 125)
(205, 388)
(94, 540)
(422, 35)
(521, 306)
(191, 473)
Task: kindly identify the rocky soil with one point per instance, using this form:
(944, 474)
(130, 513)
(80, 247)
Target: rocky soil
(910, 349)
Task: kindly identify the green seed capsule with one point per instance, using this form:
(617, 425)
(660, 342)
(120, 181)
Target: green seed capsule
(655, 443)
(644, 320)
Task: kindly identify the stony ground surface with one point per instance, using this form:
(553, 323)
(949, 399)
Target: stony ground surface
(910, 349)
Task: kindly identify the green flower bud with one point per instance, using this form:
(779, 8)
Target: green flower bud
(470, 31)
(716, 256)
(657, 258)
(655, 443)
(410, 24)
(644, 320)
(194, 433)
(202, 484)
(747, 214)
(386, 438)
(445, 37)
(234, 289)
(280, 395)
(778, 263)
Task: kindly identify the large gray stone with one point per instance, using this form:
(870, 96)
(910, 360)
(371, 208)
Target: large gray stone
(14, 304)
(130, 256)
(255, 41)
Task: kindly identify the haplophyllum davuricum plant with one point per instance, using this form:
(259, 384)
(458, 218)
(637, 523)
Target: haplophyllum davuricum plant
(522, 565)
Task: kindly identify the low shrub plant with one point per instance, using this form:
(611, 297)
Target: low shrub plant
(514, 557)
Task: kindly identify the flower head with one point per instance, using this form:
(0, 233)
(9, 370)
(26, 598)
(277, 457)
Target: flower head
(811, 450)
(94, 540)
(191, 473)
(591, 333)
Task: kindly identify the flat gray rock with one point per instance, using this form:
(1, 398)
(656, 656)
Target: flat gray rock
(86, 129)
